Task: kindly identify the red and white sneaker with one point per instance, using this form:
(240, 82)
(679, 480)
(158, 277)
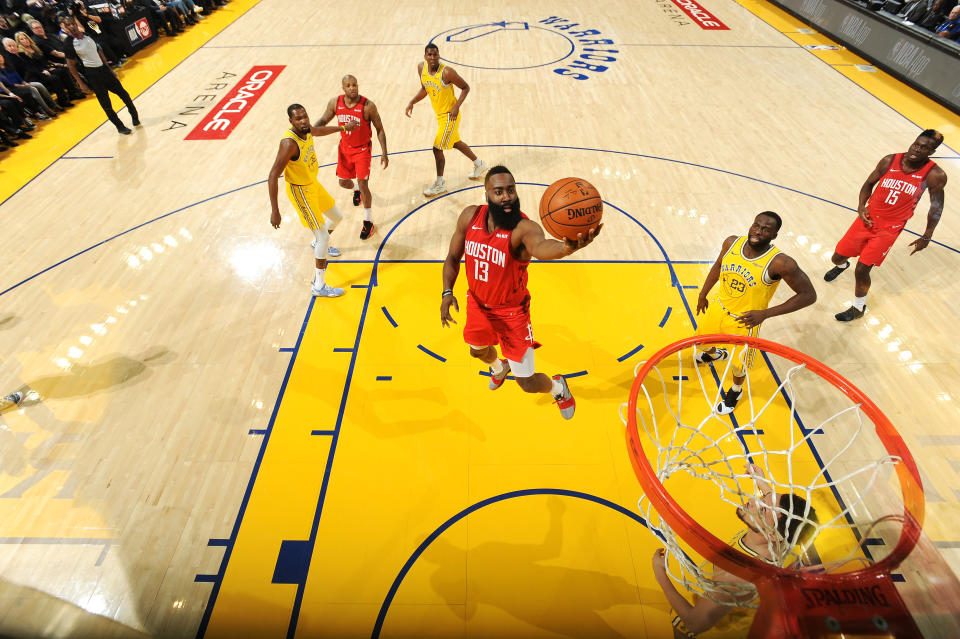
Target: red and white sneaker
(497, 381)
(564, 400)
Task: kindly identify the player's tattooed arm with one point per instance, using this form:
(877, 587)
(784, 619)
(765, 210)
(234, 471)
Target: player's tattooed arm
(867, 189)
(936, 180)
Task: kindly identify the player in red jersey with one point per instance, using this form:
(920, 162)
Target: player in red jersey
(499, 241)
(354, 153)
(884, 211)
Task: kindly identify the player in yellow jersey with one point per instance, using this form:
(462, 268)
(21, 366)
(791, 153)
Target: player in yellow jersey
(774, 520)
(437, 80)
(750, 269)
(297, 162)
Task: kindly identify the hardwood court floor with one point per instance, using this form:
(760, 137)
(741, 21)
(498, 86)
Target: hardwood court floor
(210, 451)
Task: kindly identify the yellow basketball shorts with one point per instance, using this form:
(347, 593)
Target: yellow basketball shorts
(311, 202)
(448, 132)
(717, 319)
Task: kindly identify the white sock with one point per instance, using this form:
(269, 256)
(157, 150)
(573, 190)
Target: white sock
(557, 389)
(477, 162)
(845, 265)
(439, 180)
(736, 388)
(496, 366)
(368, 215)
(860, 302)
(318, 279)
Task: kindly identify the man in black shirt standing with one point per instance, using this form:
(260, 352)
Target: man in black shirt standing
(99, 77)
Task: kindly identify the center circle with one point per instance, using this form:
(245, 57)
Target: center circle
(473, 41)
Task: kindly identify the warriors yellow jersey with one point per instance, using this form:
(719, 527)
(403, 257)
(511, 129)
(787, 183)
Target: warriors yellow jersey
(303, 170)
(441, 94)
(744, 282)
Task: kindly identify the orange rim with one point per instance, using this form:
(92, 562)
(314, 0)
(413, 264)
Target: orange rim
(721, 553)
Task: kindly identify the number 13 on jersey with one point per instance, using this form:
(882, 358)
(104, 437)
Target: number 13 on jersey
(480, 270)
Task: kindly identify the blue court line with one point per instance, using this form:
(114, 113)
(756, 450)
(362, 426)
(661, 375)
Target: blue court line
(387, 314)
(207, 579)
(218, 542)
(666, 316)
(88, 157)
(678, 378)
(377, 260)
(285, 350)
(257, 431)
(391, 593)
(431, 353)
(343, 350)
(572, 375)
(384, 378)
(245, 500)
(358, 286)
(691, 286)
(630, 354)
(322, 432)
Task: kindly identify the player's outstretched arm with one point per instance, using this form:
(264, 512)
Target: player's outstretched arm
(713, 275)
(451, 265)
(373, 116)
(785, 267)
(867, 189)
(697, 617)
(936, 180)
(450, 76)
(535, 244)
(327, 130)
(328, 115)
(288, 151)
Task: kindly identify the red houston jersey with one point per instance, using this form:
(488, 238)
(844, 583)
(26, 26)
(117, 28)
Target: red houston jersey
(896, 195)
(496, 278)
(359, 136)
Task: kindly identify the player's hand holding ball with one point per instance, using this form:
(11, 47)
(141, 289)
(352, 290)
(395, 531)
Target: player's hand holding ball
(571, 210)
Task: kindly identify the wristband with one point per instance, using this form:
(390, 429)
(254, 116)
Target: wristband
(446, 292)
(343, 128)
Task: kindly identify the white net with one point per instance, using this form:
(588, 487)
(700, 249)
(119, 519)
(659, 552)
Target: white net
(792, 434)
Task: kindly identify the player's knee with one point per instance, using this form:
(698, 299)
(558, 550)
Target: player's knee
(862, 270)
(322, 238)
(480, 353)
(333, 217)
(347, 184)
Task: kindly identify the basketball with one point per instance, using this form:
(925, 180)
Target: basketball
(570, 206)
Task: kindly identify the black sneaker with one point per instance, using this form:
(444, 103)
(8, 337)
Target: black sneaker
(850, 314)
(835, 272)
(366, 230)
(356, 197)
(136, 122)
(730, 399)
(124, 130)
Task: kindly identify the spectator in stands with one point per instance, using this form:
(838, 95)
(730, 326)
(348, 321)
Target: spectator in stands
(6, 31)
(34, 95)
(55, 77)
(936, 15)
(162, 15)
(186, 8)
(14, 110)
(951, 27)
(913, 12)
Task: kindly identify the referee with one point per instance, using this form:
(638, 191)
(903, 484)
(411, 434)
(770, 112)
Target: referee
(99, 76)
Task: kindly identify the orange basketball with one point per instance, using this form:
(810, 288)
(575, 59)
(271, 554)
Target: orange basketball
(570, 206)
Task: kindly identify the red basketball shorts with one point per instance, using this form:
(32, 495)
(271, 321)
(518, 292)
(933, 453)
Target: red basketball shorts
(871, 243)
(353, 162)
(509, 327)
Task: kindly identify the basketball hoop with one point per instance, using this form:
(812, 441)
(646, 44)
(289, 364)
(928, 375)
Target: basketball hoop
(846, 470)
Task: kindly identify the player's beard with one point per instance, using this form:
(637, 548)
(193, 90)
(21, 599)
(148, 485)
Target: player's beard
(503, 219)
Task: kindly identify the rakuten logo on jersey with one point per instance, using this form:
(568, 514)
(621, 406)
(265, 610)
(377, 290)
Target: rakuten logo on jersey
(701, 16)
(224, 118)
